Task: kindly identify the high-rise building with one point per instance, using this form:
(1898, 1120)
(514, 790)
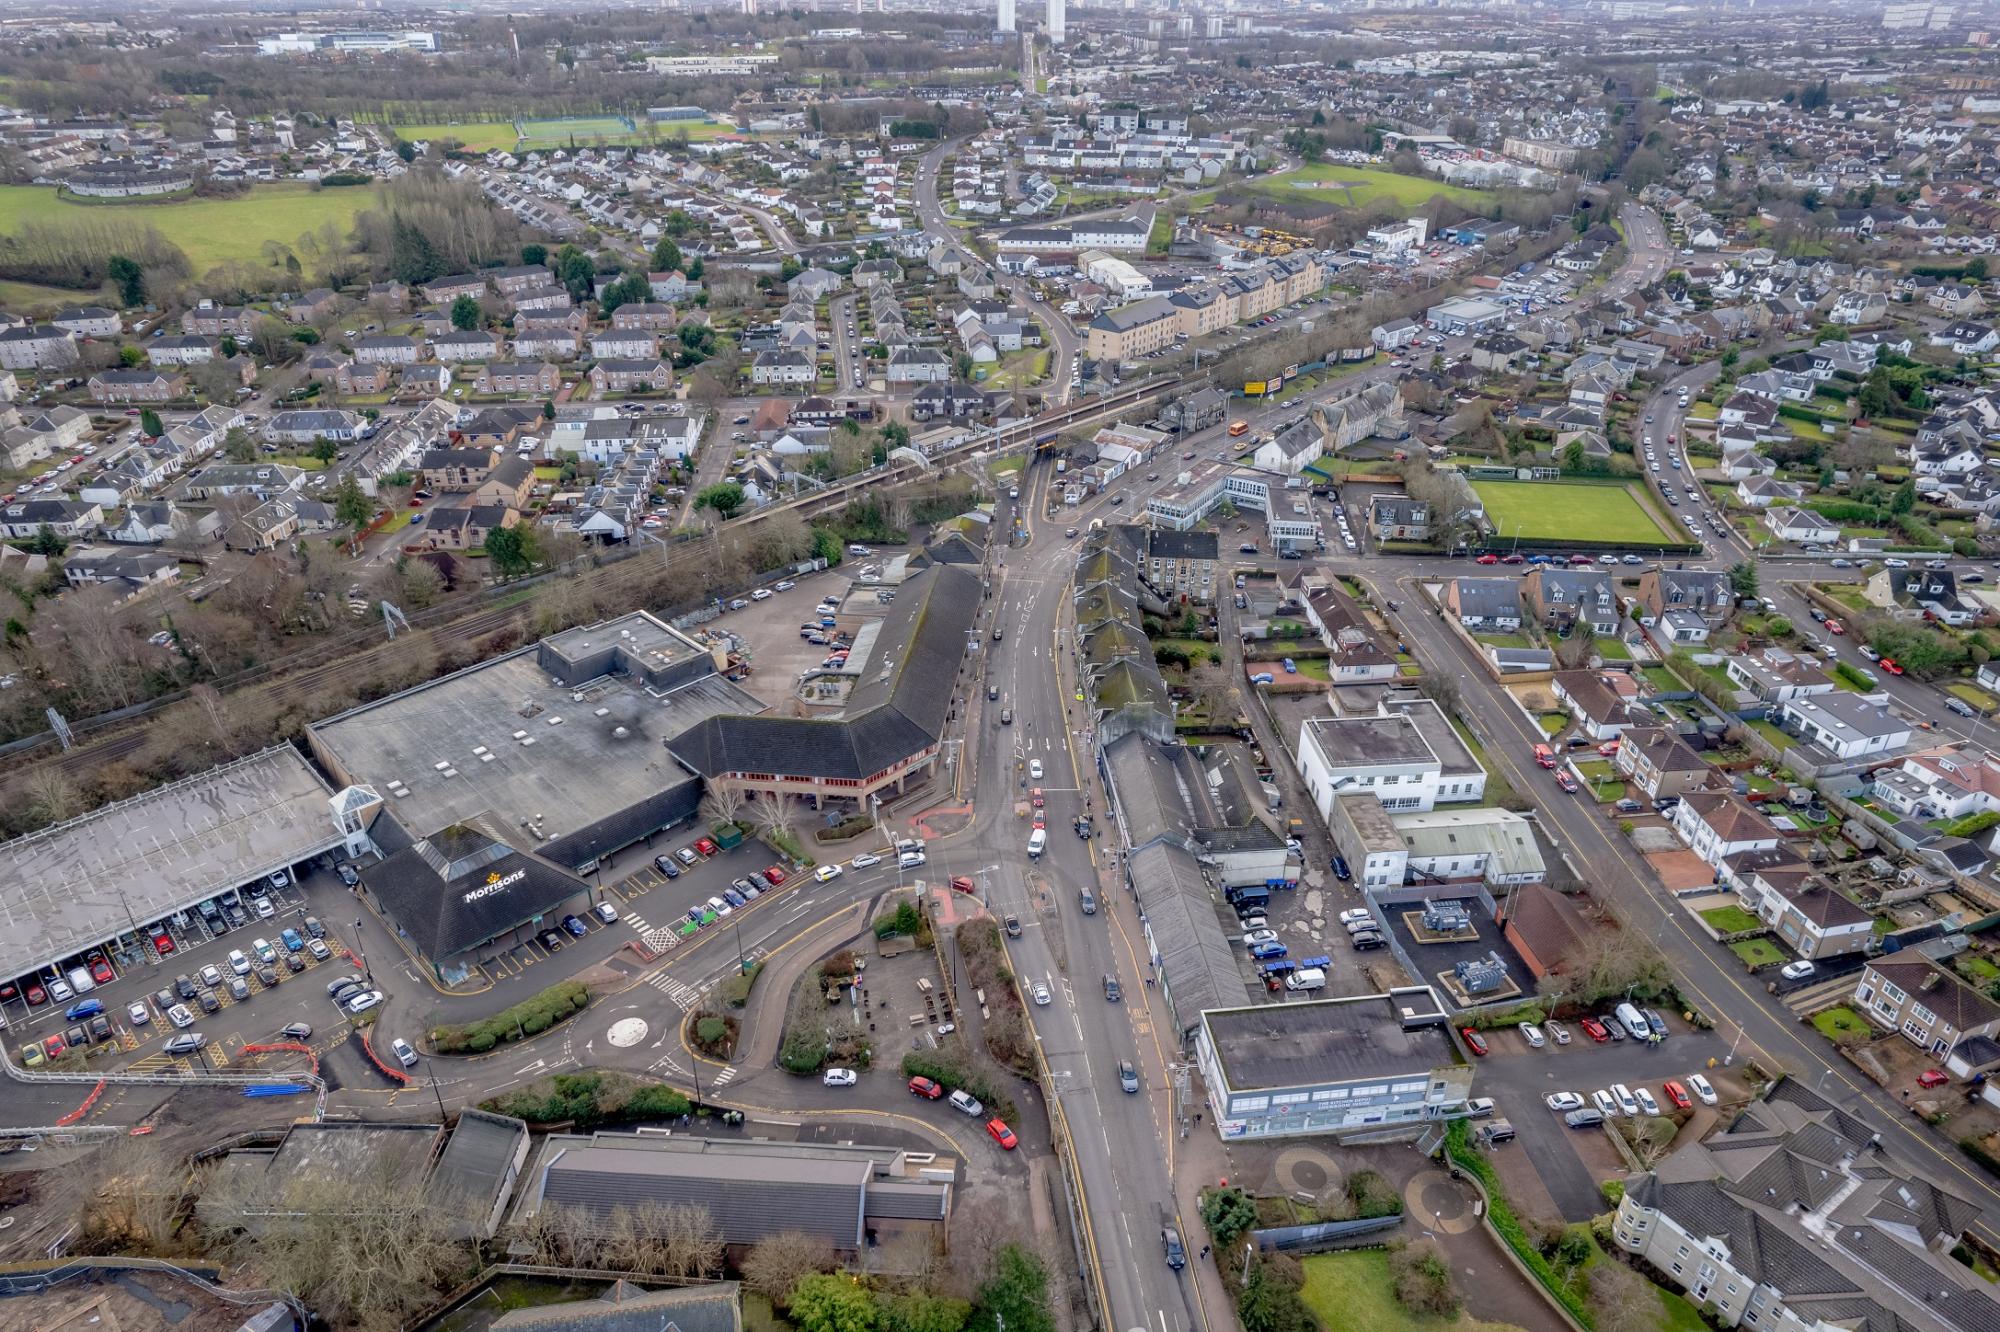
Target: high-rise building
(1006, 23)
(1058, 25)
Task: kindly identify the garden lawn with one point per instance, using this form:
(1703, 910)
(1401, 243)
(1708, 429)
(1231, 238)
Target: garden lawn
(1663, 680)
(208, 231)
(1757, 952)
(1505, 640)
(1551, 510)
(1976, 969)
(1841, 1023)
(1765, 728)
(1972, 694)
(1611, 649)
(1731, 919)
(1355, 1290)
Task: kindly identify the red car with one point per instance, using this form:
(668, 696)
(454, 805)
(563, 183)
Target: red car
(54, 1048)
(9, 991)
(416, 504)
(1035, 797)
(1473, 1040)
(1608, 748)
(1890, 665)
(997, 1130)
(705, 847)
(1513, 559)
(961, 883)
(163, 943)
(37, 995)
(1930, 1077)
(1567, 783)
(1487, 559)
(1678, 1095)
(100, 970)
(925, 1088)
(774, 876)
(1595, 1030)
(1833, 626)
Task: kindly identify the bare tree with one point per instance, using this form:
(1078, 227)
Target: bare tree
(722, 804)
(774, 1265)
(1621, 1300)
(51, 794)
(775, 816)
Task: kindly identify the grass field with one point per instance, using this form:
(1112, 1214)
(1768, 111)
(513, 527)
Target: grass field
(485, 136)
(20, 297)
(1842, 1024)
(1731, 919)
(1355, 1290)
(208, 231)
(1547, 510)
(1757, 952)
(478, 137)
(1317, 182)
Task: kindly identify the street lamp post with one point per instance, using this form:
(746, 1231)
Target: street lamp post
(360, 952)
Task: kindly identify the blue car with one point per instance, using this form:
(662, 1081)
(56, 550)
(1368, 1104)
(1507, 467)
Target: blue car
(575, 926)
(83, 1008)
(292, 940)
(733, 897)
(1340, 870)
(1264, 951)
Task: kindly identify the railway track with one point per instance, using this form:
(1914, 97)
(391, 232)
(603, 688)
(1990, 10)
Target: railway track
(358, 655)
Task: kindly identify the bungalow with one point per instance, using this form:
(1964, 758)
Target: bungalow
(420, 383)
(1597, 708)
(1845, 725)
(1716, 824)
(263, 480)
(639, 375)
(153, 524)
(1758, 491)
(1800, 525)
(536, 378)
(1485, 605)
(306, 427)
(1777, 676)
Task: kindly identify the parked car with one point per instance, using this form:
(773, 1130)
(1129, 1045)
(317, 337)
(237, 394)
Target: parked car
(1703, 1090)
(1677, 1094)
(1533, 1035)
(925, 1088)
(1595, 1030)
(997, 1130)
(1560, 1101)
(364, 1001)
(839, 1077)
(1798, 970)
(1473, 1040)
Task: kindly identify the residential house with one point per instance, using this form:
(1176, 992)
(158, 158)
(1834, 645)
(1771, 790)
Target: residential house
(788, 368)
(1911, 995)
(387, 349)
(88, 321)
(644, 375)
(1921, 593)
(183, 349)
(1485, 605)
(136, 386)
(1758, 491)
(419, 383)
(1706, 592)
(1598, 701)
(1718, 824)
(311, 306)
(649, 316)
(466, 527)
(457, 471)
(533, 378)
(918, 365)
(548, 342)
(1775, 675)
(1656, 761)
(1939, 784)
(1801, 526)
(1805, 912)
(1358, 656)
(624, 344)
(151, 524)
(25, 518)
(129, 572)
(220, 321)
(946, 401)
(1845, 725)
(443, 291)
(465, 345)
(1399, 518)
(262, 480)
(1563, 599)
(306, 427)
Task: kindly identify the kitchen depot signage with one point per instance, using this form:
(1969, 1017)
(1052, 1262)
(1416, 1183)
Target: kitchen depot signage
(495, 883)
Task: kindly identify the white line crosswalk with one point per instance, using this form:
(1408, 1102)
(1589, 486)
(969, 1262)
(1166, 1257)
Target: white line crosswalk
(683, 994)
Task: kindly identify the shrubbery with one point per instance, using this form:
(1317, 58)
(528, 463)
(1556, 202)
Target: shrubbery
(530, 1017)
(590, 1099)
(955, 1073)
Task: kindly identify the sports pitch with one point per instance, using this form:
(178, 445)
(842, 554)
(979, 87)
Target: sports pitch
(1572, 511)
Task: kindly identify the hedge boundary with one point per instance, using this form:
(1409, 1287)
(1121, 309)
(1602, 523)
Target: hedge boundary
(531, 1017)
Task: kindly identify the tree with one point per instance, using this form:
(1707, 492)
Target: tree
(353, 505)
(774, 816)
(1904, 498)
(325, 449)
(1423, 1280)
(532, 254)
(128, 277)
(828, 1303)
(466, 314)
(1015, 1296)
(628, 290)
(406, 150)
(1228, 1213)
(1270, 1301)
(237, 445)
(666, 256)
(776, 1264)
(789, 269)
(1743, 579)
(575, 271)
(725, 498)
(508, 548)
(131, 355)
(917, 1311)
(1621, 1300)
(149, 423)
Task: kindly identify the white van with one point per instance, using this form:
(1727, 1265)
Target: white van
(1634, 1022)
(82, 981)
(1306, 978)
(1037, 840)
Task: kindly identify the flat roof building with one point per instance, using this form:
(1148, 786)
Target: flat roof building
(1350, 1065)
(100, 877)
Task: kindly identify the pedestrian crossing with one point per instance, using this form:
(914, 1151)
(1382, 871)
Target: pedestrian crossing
(723, 1079)
(686, 996)
(657, 938)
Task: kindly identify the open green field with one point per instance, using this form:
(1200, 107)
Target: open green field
(1550, 510)
(477, 136)
(208, 231)
(21, 297)
(1321, 181)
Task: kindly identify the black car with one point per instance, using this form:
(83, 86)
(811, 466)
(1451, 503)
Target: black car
(1367, 939)
(667, 866)
(347, 875)
(293, 962)
(184, 987)
(551, 940)
(334, 987)
(209, 1003)
(268, 974)
(1170, 1240)
(1340, 870)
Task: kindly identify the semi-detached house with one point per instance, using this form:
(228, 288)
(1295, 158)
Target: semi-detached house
(1914, 997)
(1716, 824)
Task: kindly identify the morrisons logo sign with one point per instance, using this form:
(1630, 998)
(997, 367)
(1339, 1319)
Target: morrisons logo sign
(495, 883)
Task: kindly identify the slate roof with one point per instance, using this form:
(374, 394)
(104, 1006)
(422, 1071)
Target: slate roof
(625, 1307)
(898, 712)
(457, 888)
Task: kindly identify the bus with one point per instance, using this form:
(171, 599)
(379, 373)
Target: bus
(1238, 428)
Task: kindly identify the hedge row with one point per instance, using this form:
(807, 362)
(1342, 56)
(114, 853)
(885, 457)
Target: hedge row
(955, 1075)
(1458, 1144)
(530, 1017)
